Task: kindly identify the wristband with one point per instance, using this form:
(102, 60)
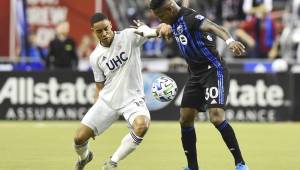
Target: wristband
(230, 40)
(147, 31)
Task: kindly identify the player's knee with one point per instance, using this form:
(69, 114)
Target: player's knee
(186, 121)
(79, 139)
(215, 121)
(216, 116)
(82, 135)
(141, 125)
(187, 116)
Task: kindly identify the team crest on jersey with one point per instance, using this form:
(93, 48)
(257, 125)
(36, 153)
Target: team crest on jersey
(200, 17)
(179, 29)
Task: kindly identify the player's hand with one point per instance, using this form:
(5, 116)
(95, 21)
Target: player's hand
(137, 23)
(165, 31)
(237, 48)
(143, 30)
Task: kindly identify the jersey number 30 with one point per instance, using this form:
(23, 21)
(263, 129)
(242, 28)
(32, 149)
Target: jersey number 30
(211, 92)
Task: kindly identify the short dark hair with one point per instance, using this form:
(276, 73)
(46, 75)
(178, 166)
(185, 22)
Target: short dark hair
(179, 2)
(97, 17)
(155, 4)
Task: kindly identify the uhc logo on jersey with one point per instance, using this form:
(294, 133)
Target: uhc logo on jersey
(117, 61)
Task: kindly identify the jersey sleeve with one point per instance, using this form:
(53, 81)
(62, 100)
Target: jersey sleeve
(97, 71)
(194, 21)
(135, 38)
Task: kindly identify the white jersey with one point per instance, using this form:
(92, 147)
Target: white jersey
(119, 67)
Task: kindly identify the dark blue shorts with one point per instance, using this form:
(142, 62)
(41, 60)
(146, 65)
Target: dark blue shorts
(208, 89)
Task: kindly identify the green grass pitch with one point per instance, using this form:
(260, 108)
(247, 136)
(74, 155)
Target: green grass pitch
(48, 146)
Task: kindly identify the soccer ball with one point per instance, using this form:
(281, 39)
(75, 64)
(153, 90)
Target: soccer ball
(164, 89)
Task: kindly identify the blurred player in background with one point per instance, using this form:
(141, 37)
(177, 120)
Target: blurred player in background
(117, 68)
(208, 83)
(62, 49)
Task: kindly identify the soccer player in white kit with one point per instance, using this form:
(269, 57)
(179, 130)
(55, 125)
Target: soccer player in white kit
(116, 65)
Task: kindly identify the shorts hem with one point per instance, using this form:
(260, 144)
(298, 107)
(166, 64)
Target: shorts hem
(194, 107)
(216, 106)
(94, 129)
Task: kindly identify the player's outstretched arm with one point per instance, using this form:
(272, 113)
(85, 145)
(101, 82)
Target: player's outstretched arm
(235, 46)
(144, 30)
(163, 30)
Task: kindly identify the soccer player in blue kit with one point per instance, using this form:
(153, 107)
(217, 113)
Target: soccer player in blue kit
(208, 83)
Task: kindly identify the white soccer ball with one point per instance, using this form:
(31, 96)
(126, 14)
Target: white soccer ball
(164, 89)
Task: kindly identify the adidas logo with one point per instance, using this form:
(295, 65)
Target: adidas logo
(213, 101)
(103, 58)
(208, 67)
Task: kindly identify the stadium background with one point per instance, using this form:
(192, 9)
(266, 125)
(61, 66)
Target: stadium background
(264, 89)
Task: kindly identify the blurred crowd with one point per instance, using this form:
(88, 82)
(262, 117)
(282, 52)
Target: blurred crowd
(269, 29)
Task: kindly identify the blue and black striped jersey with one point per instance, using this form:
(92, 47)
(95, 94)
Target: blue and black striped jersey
(197, 47)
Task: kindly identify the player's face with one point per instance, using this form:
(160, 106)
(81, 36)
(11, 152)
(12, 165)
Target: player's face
(103, 31)
(165, 15)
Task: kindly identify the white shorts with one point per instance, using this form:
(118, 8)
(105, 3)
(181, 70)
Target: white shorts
(101, 116)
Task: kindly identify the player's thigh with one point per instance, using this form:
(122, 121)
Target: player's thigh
(216, 87)
(100, 117)
(136, 113)
(193, 98)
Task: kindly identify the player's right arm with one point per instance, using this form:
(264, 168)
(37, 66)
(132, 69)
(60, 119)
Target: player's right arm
(99, 87)
(97, 72)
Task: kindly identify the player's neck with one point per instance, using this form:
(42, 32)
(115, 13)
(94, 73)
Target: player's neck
(61, 37)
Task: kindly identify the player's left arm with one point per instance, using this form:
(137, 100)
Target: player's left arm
(163, 30)
(235, 46)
